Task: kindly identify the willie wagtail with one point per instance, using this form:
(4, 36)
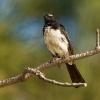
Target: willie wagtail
(58, 42)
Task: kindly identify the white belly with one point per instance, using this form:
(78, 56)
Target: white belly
(56, 42)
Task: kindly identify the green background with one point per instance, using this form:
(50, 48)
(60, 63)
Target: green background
(22, 45)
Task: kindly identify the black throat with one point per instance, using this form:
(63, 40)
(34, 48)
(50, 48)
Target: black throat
(53, 24)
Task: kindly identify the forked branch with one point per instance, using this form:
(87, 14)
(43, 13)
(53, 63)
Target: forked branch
(29, 72)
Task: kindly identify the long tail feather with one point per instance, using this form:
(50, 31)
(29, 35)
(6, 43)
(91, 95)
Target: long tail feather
(74, 73)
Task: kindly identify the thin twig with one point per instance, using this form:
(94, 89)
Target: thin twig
(97, 39)
(42, 77)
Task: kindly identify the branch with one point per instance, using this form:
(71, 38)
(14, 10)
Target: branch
(29, 72)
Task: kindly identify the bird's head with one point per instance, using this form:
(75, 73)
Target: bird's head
(49, 18)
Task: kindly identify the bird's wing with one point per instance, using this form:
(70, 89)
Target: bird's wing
(63, 31)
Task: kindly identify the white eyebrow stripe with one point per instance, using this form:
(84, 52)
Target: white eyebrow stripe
(50, 15)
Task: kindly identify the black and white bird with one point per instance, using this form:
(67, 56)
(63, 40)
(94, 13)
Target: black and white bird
(58, 43)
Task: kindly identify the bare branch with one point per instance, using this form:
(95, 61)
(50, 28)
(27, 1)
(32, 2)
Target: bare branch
(29, 72)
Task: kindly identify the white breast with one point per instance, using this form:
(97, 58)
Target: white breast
(56, 42)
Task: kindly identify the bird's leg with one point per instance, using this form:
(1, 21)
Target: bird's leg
(59, 65)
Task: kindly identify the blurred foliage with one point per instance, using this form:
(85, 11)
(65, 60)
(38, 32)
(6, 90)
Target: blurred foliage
(22, 45)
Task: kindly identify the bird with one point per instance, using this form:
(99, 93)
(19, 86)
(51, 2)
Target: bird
(58, 43)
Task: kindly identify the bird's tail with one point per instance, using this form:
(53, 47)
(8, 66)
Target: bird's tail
(74, 73)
